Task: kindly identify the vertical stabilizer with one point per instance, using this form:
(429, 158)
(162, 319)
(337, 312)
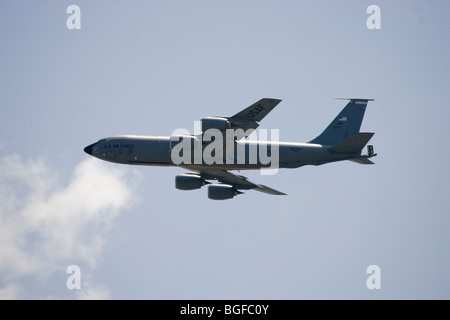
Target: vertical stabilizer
(346, 124)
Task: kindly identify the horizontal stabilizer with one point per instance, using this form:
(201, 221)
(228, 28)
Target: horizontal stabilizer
(353, 144)
(362, 161)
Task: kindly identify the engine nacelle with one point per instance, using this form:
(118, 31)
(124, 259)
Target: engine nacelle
(215, 123)
(187, 181)
(221, 191)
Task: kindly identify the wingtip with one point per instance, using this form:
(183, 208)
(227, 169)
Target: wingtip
(268, 190)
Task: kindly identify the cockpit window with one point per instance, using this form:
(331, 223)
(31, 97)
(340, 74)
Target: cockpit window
(102, 140)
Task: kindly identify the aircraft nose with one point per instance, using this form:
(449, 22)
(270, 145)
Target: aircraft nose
(88, 149)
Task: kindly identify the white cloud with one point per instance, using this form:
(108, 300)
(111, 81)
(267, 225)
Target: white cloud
(93, 292)
(46, 225)
(9, 292)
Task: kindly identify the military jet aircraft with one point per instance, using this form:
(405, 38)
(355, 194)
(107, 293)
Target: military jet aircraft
(225, 143)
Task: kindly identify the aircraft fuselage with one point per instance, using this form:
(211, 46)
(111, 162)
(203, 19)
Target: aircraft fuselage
(155, 151)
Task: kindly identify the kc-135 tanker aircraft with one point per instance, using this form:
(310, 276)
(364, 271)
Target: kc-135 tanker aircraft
(228, 143)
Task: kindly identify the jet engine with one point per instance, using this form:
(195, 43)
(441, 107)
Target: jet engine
(215, 123)
(222, 191)
(188, 181)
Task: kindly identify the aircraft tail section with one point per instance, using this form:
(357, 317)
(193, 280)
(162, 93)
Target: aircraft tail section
(345, 125)
(353, 144)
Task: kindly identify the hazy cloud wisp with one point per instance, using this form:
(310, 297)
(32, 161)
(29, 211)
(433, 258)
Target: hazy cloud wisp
(46, 225)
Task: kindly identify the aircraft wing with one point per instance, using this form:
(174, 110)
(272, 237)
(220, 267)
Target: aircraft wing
(247, 120)
(257, 111)
(237, 181)
(250, 116)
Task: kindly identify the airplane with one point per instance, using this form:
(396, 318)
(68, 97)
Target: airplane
(341, 140)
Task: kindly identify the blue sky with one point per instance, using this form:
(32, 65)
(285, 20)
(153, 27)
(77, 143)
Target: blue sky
(149, 67)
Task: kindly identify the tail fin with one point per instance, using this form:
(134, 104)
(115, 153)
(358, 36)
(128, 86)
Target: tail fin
(346, 124)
